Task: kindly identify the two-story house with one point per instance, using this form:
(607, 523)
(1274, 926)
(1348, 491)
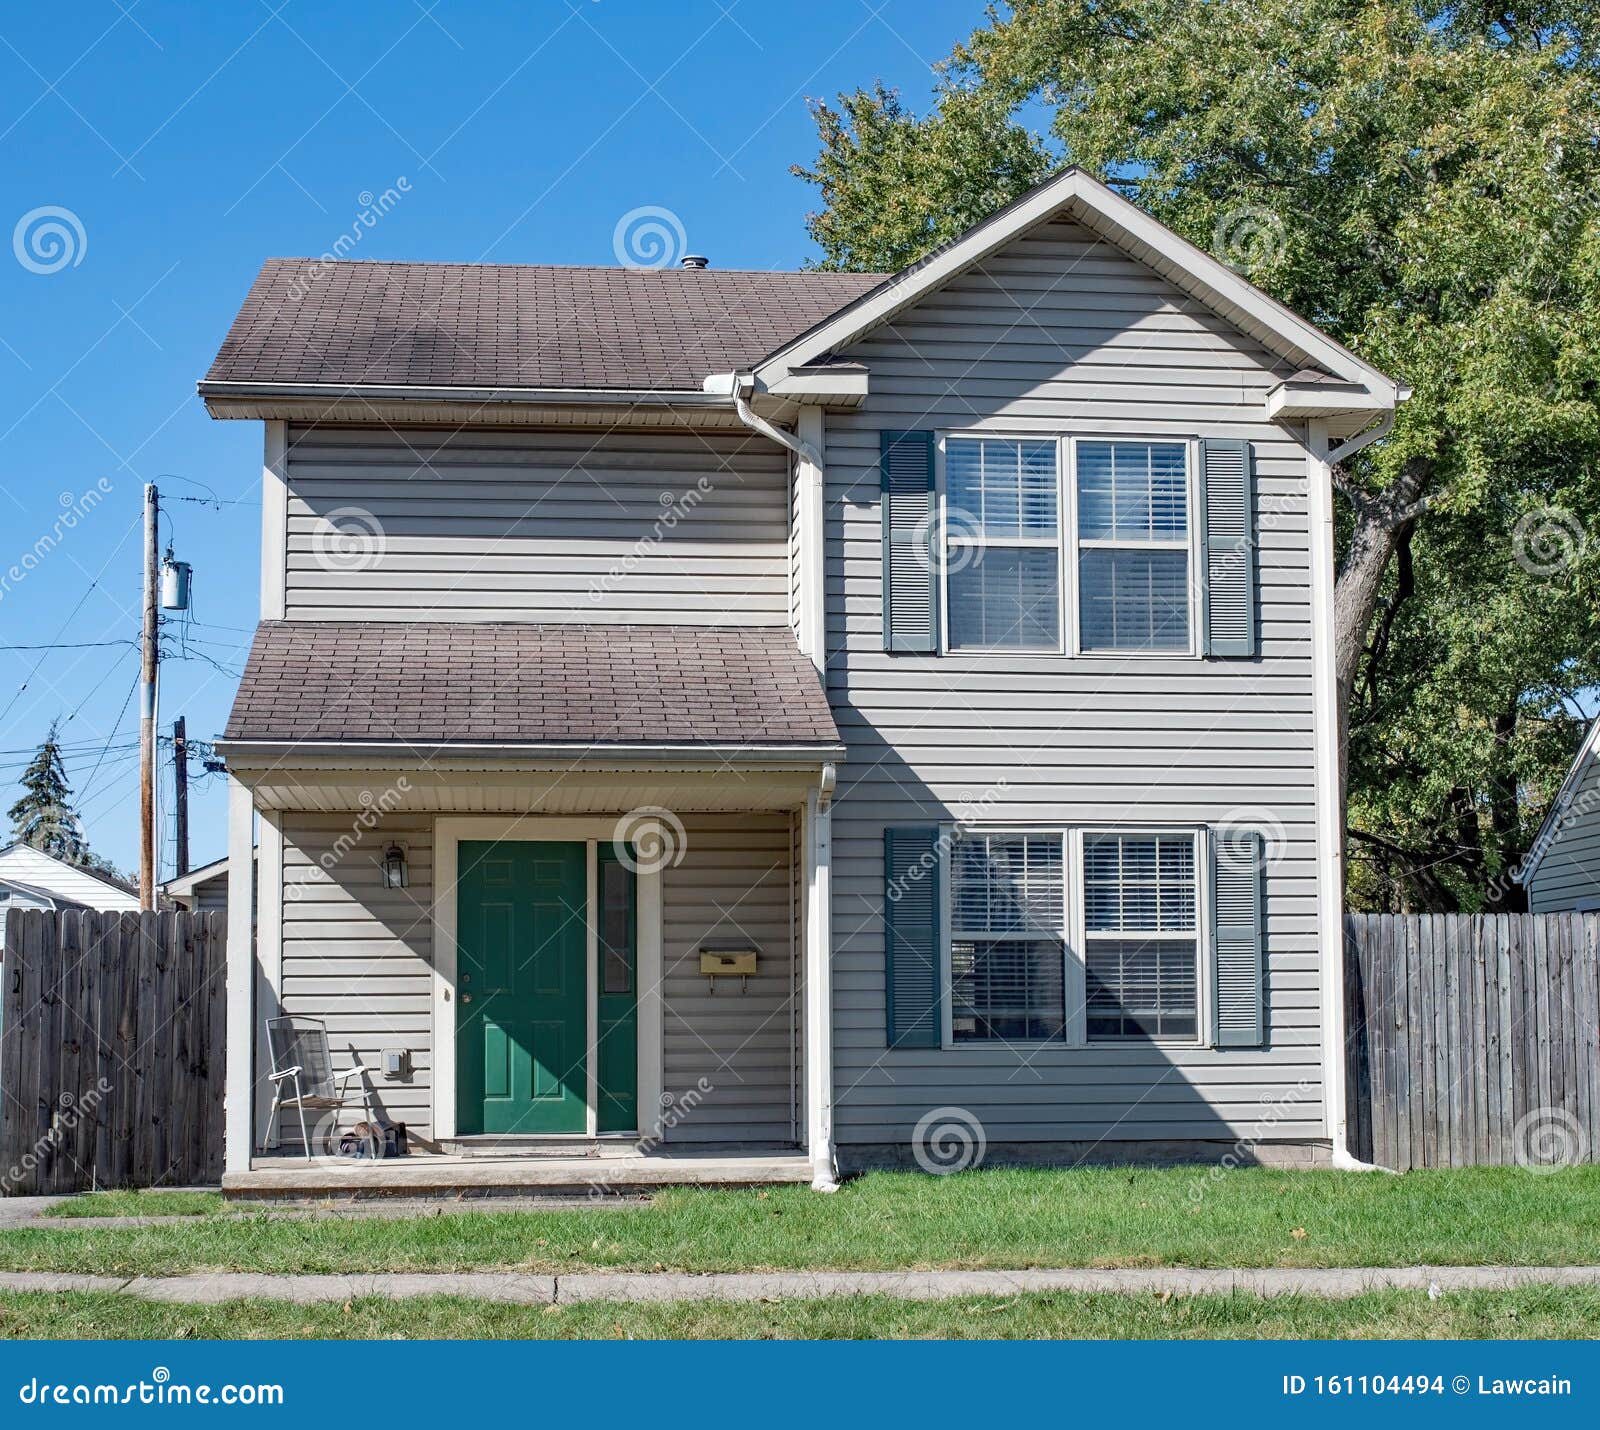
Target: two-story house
(853, 715)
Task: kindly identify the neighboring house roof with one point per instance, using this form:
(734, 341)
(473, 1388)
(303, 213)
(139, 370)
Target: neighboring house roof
(183, 884)
(1555, 820)
(45, 896)
(83, 886)
(431, 684)
(475, 325)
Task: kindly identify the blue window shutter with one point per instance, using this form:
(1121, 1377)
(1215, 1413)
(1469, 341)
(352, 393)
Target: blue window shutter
(910, 584)
(1228, 550)
(1237, 966)
(911, 963)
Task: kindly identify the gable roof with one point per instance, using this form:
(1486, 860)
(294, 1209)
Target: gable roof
(1124, 224)
(514, 685)
(1588, 753)
(481, 325)
(83, 885)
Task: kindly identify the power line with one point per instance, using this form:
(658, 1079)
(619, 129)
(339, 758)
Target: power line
(68, 645)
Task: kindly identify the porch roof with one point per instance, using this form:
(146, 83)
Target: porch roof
(427, 684)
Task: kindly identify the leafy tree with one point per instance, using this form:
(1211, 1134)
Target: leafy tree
(1423, 181)
(43, 817)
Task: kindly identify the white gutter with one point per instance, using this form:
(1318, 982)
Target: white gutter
(1383, 427)
(567, 396)
(361, 753)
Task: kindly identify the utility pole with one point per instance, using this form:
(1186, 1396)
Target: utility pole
(180, 770)
(149, 658)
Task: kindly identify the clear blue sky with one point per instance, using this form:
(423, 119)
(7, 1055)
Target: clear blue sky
(189, 142)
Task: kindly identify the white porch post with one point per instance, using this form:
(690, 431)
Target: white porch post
(238, 1099)
(819, 989)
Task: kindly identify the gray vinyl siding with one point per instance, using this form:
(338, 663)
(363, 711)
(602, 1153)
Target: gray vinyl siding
(538, 525)
(735, 883)
(360, 956)
(1568, 877)
(1059, 333)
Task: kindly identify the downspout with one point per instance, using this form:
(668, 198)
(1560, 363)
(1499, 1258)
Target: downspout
(1340, 1156)
(803, 450)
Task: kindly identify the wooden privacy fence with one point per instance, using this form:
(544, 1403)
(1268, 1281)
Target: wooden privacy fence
(1473, 1040)
(111, 1050)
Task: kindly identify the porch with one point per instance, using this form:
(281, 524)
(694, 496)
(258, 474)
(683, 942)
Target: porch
(597, 1171)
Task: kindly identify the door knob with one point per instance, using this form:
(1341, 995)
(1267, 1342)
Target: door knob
(466, 998)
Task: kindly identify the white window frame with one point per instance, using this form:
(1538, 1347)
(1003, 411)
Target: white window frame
(1200, 936)
(1075, 945)
(1058, 543)
(1191, 546)
(1068, 545)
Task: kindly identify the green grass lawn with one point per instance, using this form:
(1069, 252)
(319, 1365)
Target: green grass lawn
(989, 1218)
(149, 1202)
(1536, 1312)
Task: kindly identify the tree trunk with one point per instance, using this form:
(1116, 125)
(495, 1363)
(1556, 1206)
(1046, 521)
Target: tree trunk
(1379, 523)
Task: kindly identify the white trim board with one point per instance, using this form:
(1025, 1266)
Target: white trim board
(1121, 223)
(448, 833)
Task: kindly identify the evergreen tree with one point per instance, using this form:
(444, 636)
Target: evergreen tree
(44, 818)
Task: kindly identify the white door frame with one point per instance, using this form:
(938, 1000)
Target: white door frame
(448, 834)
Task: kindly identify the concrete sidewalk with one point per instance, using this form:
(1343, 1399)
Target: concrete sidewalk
(535, 1290)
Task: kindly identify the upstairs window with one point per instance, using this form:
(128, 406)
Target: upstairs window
(1133, 546)
(1002, 552)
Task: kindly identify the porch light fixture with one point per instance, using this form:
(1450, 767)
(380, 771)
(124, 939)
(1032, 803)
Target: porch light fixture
(394, 867)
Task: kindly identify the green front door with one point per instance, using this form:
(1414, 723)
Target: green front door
(522, 990)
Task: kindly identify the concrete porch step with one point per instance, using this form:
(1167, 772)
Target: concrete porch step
(461, 1178)
(529, 1147)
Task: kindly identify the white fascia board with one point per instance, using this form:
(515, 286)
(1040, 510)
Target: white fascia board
(218, 394)
(1558, 807)
(845, 388)
(1116, 220)
(252, 755)
(1323, 400)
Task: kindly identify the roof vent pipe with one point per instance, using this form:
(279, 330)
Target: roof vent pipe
(695, 260)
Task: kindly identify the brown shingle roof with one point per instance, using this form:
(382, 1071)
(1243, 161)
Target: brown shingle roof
(430, 683)
(517, 325)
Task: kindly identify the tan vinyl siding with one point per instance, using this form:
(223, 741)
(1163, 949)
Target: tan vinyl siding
(1059, 333)
(361, 956)
(1568, 877)
(735, 883)
(553, 525)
